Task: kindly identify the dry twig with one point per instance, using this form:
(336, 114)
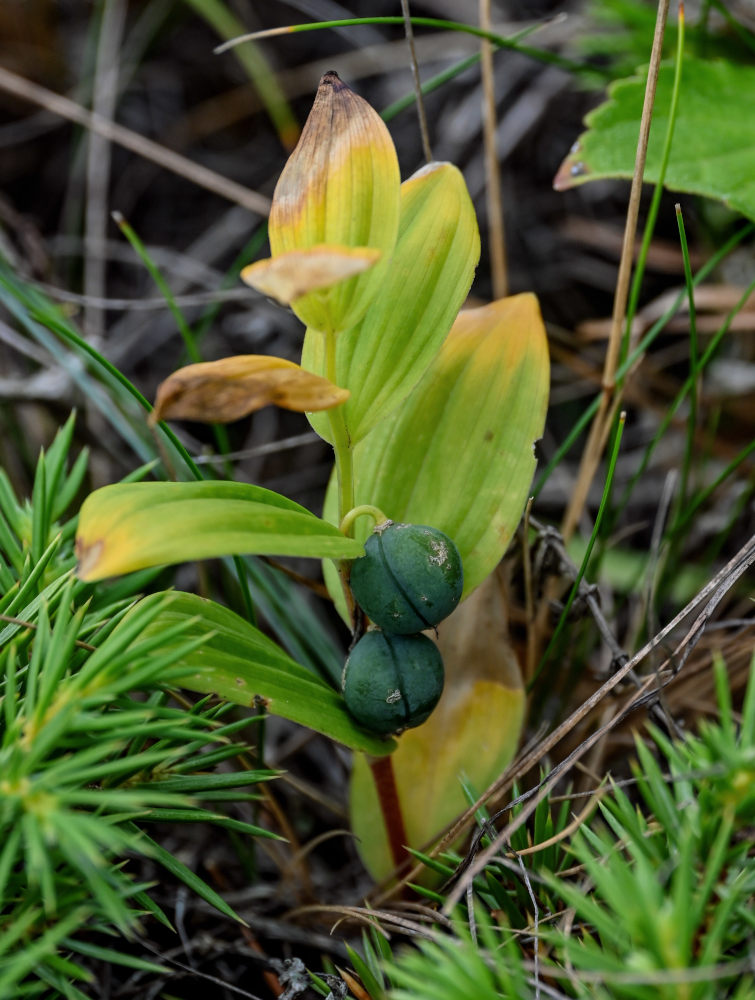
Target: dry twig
(610, 397)
(139, 144)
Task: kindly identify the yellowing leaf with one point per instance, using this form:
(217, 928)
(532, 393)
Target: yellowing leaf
(295, 273)
(225, 390)
(424, 286)
(132, 526)
(340, 186)
(458, 455)
(472, 734)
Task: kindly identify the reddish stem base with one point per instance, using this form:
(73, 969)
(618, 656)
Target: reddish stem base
(390, 806)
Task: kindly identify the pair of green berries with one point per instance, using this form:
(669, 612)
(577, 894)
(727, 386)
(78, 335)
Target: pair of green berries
(409, 579)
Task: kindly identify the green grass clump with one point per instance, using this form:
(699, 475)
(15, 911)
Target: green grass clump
(656, 901)
(92, 750)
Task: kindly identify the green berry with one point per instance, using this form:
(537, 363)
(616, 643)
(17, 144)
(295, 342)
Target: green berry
(409, 579)
(392, 682)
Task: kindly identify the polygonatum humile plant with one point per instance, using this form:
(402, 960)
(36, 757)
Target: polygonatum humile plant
(432, 413)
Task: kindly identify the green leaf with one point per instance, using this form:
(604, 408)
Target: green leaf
(197, 784)
(205, 816)
(251, 56)
(239, 663)
(373, 986)
(132, 526)
(339, 187)
(459, 453)
(381, 358)
(35, 952)
(187, 876)
(114, 957)
(713, 151)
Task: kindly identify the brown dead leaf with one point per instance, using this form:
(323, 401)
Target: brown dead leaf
(293, 274)
(226, 390)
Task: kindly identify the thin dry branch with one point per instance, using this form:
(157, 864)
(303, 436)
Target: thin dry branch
(424, 130)
(587, 593)
(104, 103)
(540, 746)
(203, 177)
(610, 397)
(493, 191)
(375, 918)
(711, 594)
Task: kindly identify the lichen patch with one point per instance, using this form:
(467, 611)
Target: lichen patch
(439, 555)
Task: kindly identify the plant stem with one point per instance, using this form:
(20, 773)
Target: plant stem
(588, 552)
(611, 395)
(499, 41)
(423, 129)
(493, 188)
(364, 509)
(652, 216)
(390, 806)
(382, 767)
(340, 433)
(687, 461)
(344, 462)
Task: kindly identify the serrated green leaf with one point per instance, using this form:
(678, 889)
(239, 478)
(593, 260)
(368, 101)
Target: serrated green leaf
(239, 663)
(132, 526)
(425, 284)
(713, 150)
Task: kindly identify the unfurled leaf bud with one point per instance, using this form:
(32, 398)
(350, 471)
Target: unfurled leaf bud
(341, 188)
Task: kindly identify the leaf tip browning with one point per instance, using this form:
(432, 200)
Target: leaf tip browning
(333, 80)
(573, 170)
(89, 556)
(341, 185)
